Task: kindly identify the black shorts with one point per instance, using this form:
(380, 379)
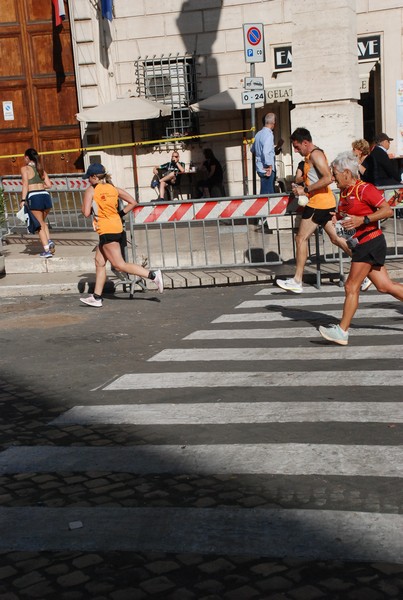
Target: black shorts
(108, 238)
(320, 216)
(39, 200)
(372, 252)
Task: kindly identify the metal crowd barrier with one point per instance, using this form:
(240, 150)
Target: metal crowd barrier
(214, 232)
(203, 233)
(67, 192)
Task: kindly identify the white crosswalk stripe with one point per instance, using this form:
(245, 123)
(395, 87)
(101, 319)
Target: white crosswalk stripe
(258, 354)
(214, 379)
(235, 412)
(219, 459)
(303, 301)
(318, 533)
(287, 332)
(316, 314)
(308, 291)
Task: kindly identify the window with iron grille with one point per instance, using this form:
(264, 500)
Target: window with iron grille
(171, 81)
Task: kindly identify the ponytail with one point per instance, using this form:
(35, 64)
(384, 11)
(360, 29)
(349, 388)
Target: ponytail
(105, 177)
(34, 157)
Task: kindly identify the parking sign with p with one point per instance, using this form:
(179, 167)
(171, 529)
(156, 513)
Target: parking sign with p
(254, 42)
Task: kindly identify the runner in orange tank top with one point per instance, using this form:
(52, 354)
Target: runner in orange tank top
(320, 208)
(101, 199)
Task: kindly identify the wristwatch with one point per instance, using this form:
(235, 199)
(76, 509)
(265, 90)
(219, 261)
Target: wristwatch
(366, 220)
(306, 191)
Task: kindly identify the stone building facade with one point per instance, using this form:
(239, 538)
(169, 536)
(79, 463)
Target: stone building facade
(332, 67)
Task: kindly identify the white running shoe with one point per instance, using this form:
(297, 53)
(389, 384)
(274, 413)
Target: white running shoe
(335, 334)
(159, 282)
(290, 285)
(366, 284)
(91, 301)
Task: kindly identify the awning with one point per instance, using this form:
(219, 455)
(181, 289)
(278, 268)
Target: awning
(364, 71)
(130, 108)
(231, 99)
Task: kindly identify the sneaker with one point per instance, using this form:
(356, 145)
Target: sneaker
(366, 284)
(159, 282)
(290, 285)
(91, 301)
(46, 254)
(335, 334)
(52, 247)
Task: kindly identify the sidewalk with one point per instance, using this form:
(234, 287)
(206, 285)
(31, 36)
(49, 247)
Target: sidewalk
(71, 270)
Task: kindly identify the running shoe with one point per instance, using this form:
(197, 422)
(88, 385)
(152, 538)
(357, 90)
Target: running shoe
(159, 282)
(366, 284)
(46, 254)
(335, 334)
(52, 247)
(290, 285)
(91, 301)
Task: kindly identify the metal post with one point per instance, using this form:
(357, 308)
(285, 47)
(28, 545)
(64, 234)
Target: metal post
(135, 173)
(318, 277)
(253, 127)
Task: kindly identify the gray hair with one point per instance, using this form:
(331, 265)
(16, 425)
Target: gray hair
(269, 118)
(347, 161)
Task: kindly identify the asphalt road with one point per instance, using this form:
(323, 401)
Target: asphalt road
(210, 423)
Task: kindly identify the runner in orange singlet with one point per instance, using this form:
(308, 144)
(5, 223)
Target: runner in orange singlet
(101, 199)
(320, 208)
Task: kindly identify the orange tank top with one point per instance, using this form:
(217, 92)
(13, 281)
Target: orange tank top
(105, 207)
(322, 198)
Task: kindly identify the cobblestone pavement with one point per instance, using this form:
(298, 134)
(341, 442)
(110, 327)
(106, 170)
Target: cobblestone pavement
(26, 413)
(134, 576)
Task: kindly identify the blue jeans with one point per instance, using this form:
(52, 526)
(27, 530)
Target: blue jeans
(267, 183)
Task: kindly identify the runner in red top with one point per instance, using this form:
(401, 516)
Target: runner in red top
(360, 209)
(361, 199)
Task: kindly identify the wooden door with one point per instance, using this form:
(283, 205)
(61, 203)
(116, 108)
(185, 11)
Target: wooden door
(38, 98)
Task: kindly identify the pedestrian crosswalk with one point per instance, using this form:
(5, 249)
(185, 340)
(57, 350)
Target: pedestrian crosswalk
(252, 379)
(279, 375)
(280, 314)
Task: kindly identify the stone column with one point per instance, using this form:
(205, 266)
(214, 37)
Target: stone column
(325, 73)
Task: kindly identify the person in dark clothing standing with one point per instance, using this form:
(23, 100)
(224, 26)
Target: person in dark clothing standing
(384, 169)
(214, 173)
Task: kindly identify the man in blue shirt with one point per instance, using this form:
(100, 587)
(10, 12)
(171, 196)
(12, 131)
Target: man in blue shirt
(263, 149)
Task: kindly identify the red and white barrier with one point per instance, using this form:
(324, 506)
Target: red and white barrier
(60, 183)
(204, 210)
